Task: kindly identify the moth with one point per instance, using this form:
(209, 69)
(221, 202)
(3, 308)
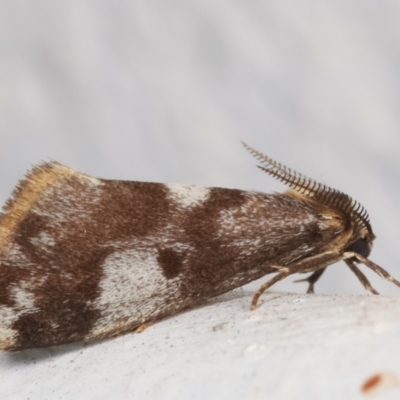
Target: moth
(83, 258)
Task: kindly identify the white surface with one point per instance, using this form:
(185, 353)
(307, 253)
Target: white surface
(291, 347)
(164, 91)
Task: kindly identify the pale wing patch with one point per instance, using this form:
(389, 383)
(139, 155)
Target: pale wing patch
(237, 220)
(187, 196)
(133, 290)
(70, 205)
(44, 241)
(256, 214)
(89, 180)
(67, 205)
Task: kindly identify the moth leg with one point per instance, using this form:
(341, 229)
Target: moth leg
(361, 277)
(311, 264)
(312, 279)
(376, 268)
(267, 285)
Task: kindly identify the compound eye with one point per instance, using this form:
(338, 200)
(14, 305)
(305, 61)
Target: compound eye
(360, 247)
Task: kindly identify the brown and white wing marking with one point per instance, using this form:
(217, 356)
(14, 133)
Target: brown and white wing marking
(84, 258)
(47, 273)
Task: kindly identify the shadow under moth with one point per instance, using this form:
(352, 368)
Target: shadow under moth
(83, 258)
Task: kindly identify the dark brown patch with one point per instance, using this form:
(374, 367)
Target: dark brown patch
(64, 311)
(132, 209)
(170, 262)
(212, 260)
(63, 315)
(11, 273)
(29, 228)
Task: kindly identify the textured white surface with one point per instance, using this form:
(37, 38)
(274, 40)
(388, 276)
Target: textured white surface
(291, 347)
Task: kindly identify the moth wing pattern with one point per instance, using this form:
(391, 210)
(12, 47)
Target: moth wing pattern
(84, 258)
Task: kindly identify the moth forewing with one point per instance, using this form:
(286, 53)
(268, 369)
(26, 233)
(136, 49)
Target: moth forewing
(85, 258)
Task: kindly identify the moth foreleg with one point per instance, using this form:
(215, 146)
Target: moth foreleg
(310, 264)
(312, 279)
(376, 268)
(361, 277)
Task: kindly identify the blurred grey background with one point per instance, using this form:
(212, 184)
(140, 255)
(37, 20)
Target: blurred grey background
(166, 90)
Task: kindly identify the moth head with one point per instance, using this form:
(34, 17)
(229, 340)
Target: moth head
(360, 246)
(354, 245)
(361, 241)
(361, 235)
